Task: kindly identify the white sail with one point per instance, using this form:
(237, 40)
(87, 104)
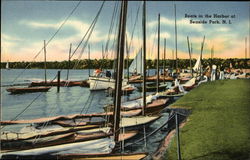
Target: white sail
(137, 64)
(197, 64)
(7, 65)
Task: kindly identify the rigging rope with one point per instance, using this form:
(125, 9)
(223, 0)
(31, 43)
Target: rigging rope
(52, 37)
(114, 15)
(60, 70)
(156, 130)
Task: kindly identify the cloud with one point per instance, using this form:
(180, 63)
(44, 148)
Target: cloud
(39, 25)
(6, 37)
(182, 23)
(223, 29)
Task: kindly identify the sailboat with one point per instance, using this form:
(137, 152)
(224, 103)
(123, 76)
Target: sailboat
(100, 148)
(7, 66)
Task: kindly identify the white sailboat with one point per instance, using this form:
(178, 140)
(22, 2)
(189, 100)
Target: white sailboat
(7, 65)
(99, 82)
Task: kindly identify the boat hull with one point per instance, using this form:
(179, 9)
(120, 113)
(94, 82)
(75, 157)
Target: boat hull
(102, 83)
(28, 90)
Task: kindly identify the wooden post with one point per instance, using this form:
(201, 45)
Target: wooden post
(158, 54)
(176, 60)
(144, 57)
(45, 67)
(190, 60)
(121, 43)
(69, 61)
(58, 81)
(177, 136)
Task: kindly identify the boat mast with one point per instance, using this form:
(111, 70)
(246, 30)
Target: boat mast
(127, 57)
(202, 45)
(144, 56)
(175, 28)
(212, 52)
(190, 60)
(164, 57)
(69, 61)
(246, 47)
(45, 67)
(158, 53)
(120, 57)
(89, 59)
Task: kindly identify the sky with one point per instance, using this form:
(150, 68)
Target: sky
(26, 24)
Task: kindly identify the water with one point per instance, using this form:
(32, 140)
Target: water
(70, 100)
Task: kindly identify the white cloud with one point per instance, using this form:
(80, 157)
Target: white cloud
(223, 29)
(5, 37)
(180, 23)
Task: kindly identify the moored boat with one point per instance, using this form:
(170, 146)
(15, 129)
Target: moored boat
(27, 90)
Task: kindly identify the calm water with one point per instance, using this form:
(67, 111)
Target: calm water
(69, 100)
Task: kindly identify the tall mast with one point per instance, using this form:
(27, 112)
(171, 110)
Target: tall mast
(164, 57)
(202, 45)
(45, 67)
(172, 58)
(190, 60)
(246, 47)
(158, 53)
(144, 56)
(89, 59)
(69, 61)
(120, 57)
(212, 52)
(175, 29)
(127, 57)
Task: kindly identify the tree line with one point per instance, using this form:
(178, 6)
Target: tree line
(109, 63)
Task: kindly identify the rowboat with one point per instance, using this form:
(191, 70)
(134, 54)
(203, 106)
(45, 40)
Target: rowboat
(55, 83)
(27, 90)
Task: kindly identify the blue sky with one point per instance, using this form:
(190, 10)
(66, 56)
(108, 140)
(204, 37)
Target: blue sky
(25, 24)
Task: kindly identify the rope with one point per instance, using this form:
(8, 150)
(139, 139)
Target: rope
(156, 130)
(96, 17)
(49, 40)
(111, 28)
(15, 118)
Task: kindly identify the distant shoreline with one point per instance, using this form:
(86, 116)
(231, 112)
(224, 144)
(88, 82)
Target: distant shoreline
(109, 63)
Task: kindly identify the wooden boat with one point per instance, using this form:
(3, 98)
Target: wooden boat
(161, 78)
(27, 90)
(173, 92)
(152, 108)
(55, 83)
(96, 146)
(152, 87)
(71, 119)
(124, 156)
(105, 156)
(85, 83)
(79, 136)
(125, 91)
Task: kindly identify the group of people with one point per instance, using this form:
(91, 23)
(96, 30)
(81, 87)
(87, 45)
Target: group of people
(100, 73)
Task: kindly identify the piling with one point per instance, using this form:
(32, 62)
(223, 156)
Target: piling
(58, 81)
